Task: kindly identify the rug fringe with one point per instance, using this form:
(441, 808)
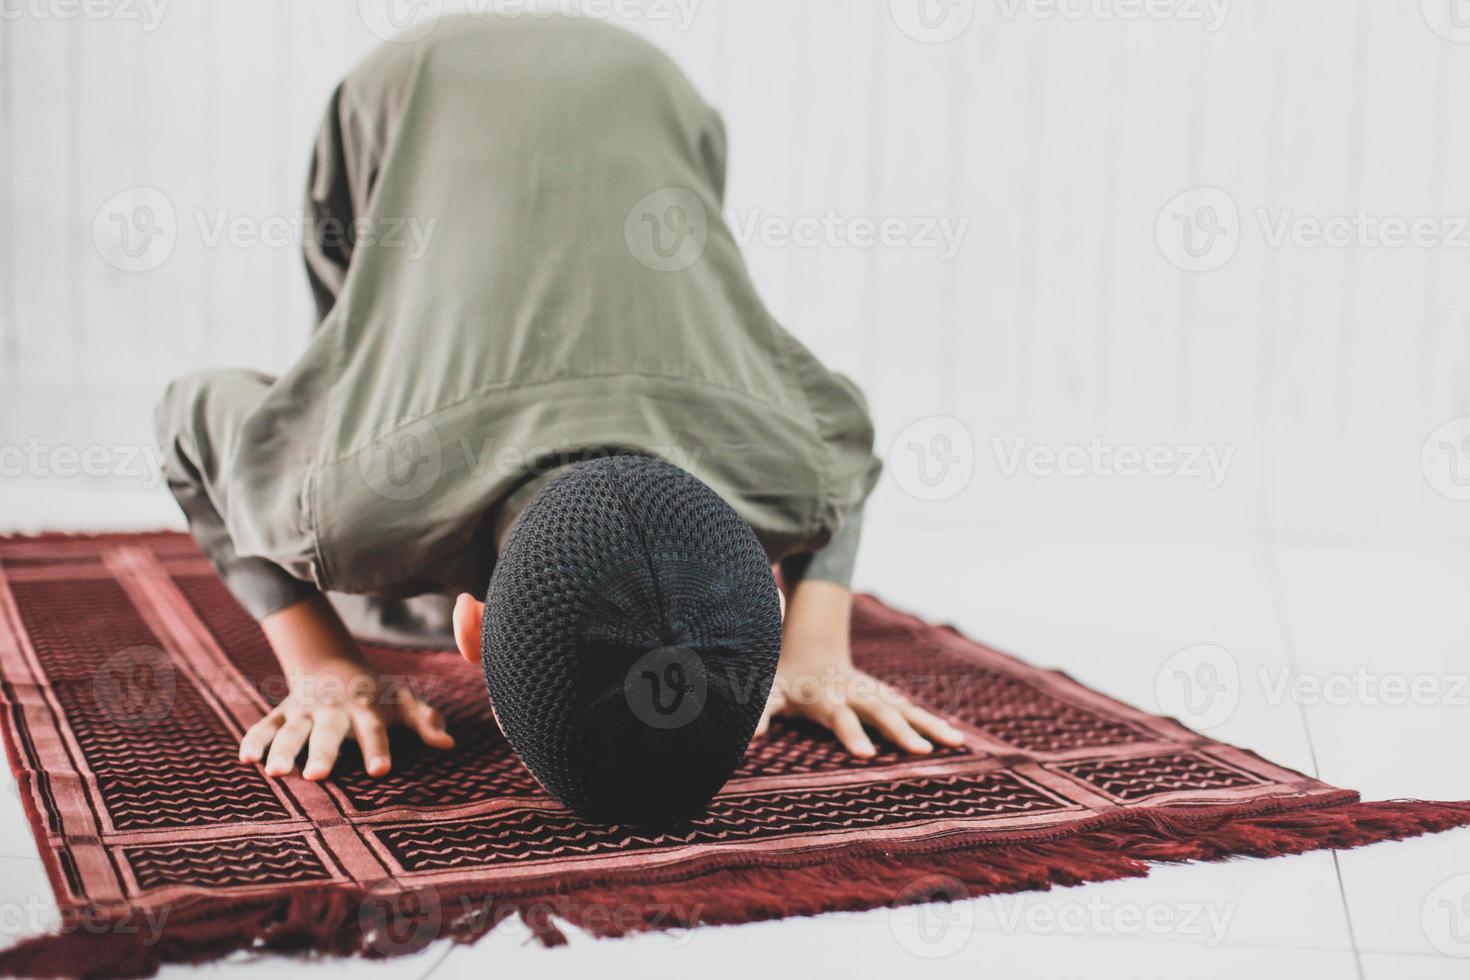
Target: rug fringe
(344, 921)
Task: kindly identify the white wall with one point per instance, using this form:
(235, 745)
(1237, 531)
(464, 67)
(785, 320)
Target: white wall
(1058, 129)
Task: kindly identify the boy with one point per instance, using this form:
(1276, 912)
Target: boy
(576, 295)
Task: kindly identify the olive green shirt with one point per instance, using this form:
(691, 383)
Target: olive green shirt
(516, 245)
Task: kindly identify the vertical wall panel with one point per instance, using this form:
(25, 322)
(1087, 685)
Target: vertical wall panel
(243, 131)
(912, 151)
(1068, 172)
(1317, 41)
(761, 120)
(1386, 296)
(179, 118)
(831, 173)
(996, 120)
(9, 328)
(283, 191)
(111, 154)
(1445, 369)
(1153, 165)
(47, 226)
(1230, 146)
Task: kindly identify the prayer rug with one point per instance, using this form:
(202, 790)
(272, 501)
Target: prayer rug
(127, 674)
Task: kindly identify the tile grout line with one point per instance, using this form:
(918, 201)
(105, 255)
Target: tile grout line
(9, 328)
(1283, 627)
(1347, 912)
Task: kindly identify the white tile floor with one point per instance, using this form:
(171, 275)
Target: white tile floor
(1111, 610)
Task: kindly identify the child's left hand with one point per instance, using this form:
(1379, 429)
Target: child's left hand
(844, 699)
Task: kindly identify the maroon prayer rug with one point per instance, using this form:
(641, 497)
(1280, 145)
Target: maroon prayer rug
(129, 674)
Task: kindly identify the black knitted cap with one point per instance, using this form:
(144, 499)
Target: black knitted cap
(632, 629)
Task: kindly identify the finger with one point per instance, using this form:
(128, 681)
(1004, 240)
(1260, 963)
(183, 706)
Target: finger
(258, 737)
(775, 704)
(849, 731)
(932, 725)
(895, 727)
(326, 742)
(287, 746)
(425, 720)
(372, 738)
(787, 708)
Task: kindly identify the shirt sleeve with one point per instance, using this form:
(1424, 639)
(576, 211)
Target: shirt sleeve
(197, 421)
(834, 562)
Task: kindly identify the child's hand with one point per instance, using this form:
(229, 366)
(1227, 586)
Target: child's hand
(843, 699)
(816, 680)
(336, 700)
(335, 695)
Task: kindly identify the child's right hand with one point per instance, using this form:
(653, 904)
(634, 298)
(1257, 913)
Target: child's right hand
(335, 694)
(335, 701)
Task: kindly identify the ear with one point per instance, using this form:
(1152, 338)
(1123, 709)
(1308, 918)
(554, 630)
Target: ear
(469, 618)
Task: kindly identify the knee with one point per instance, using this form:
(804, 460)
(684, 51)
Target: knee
(180, 402)
(188, 401)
